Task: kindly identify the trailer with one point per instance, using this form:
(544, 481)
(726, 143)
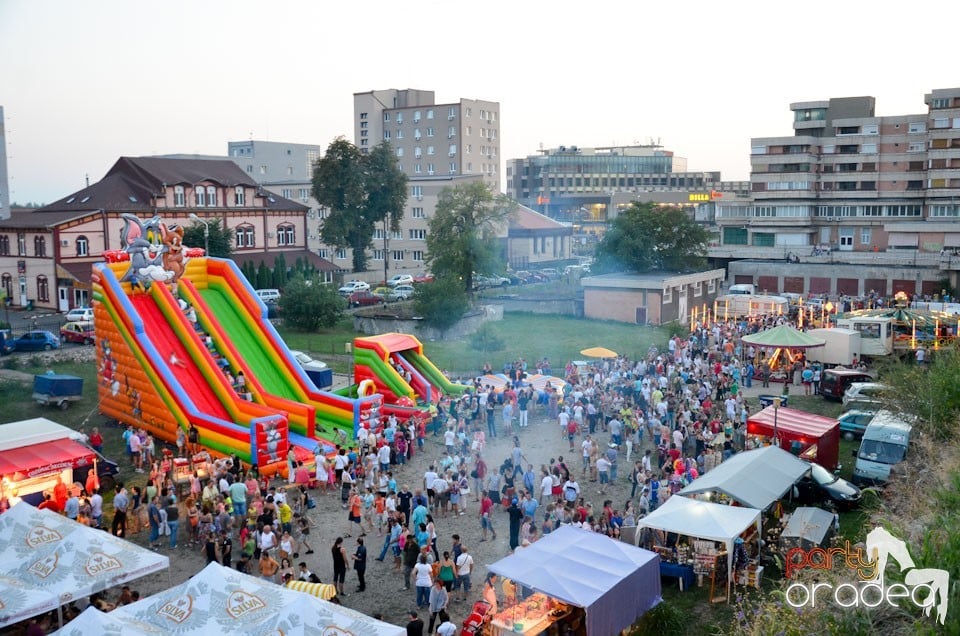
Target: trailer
(876, 333)
(842, 347)
(740, 304)
(57, 389)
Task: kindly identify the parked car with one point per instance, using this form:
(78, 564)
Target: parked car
(854, 422)
(7, 343)
(836, 381)
(80, 314)
(352, 286)
(482, 281)
(363, 298)
(403, 292)
(863, 395)
(78, 332)
(308, 363)
(884, 444)
(386, 293)
(400, 279)
(822, 486)
(425, 277)
(37, 341)
(269, 296)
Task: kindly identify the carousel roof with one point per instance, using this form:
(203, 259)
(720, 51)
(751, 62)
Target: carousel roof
(784, 336)
(905, 315)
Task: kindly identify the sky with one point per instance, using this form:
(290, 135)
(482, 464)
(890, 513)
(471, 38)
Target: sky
(84, 82)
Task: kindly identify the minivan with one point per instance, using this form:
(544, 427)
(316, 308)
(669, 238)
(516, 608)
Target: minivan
(834, 382)
(269, 296)
(884, 445)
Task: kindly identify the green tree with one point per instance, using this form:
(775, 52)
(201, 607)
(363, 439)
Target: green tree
(441, 303)
(308, 304)
(221, 239)
(264, 279)
(360, 191)
(279, 271)
(646, 237)
(486, 339)
(464, 229)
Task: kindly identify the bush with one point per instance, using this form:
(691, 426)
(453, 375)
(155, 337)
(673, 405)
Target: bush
(309, 304)
(663, 620)
(486, 339)
(441, 303)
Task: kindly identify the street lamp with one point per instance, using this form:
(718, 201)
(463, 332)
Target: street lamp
(776, 410)
(206, 233)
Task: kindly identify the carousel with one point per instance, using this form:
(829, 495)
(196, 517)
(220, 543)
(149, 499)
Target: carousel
(910, 328)
(781, 347)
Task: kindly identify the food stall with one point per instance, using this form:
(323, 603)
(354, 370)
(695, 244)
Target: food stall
(813, 437)
(36, 454)
(700, 538)
(574, 579)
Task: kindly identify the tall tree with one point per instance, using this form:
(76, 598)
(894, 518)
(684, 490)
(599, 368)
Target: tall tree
(308, 304)
(360, 190)
(463, 231)
(646, 237)
(220, 239)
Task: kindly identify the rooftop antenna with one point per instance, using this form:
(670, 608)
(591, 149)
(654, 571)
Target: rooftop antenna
(87, 178)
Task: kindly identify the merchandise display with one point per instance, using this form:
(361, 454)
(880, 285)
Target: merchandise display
(532, 615)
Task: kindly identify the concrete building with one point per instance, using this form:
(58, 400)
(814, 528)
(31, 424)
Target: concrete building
(436, 146)
(650, 299)
(4, 179)
(849, 181)
(589, 186)
(46, 254)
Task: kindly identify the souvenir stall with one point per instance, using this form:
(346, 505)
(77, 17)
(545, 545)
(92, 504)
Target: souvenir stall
(699, 539)
(577, 580)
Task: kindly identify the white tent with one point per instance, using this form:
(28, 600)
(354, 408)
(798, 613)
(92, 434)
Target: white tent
(702, 519)
(46, 554)
(754, 478)
(222, 601)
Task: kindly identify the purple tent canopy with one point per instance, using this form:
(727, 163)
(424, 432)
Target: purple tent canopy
(614, 582)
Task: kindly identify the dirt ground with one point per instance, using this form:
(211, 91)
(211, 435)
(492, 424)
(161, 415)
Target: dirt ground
(385, 595)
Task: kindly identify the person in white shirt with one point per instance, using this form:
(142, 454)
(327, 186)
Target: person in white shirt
(464, 565)
(428, 478)
(585, 450)
(564, 418)
(449, 439)
(546, 486)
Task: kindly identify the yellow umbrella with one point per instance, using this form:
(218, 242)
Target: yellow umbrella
(599, 352)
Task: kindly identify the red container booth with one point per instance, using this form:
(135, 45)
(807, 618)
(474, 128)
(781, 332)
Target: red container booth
(816, 437)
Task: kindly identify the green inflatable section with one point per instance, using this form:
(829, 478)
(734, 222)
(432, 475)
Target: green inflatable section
(432, 373)
(383, 371)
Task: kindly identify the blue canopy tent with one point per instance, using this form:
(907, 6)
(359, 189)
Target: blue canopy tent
(615, 583)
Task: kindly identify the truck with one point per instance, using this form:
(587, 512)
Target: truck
(57, 389)
(841, 348)
(884, 444)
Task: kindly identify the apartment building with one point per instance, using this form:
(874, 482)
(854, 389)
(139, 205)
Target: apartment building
(589, 186)
(851, 181)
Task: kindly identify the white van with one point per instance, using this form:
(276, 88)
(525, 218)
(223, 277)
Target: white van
(742, 289)
(884, 445)
(269, 296)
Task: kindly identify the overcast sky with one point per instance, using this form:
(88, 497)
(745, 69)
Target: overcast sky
(85, 82)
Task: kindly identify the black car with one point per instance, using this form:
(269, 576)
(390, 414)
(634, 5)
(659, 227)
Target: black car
(822, 486)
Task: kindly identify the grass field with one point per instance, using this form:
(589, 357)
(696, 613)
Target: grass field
(530, 336)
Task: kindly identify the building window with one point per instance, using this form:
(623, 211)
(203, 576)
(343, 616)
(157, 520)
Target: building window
(4, 245)
(263, 170)
(917, 127)
(417, 152)
(397, 255)
(246, 236)
(452, 151)
(430, 131)
(200, 196)
(417, 192)
(386, 117)
(179, 199)
(417, 213)
(416, 134)
(451, 132)
(378, 255)
(430, 169)
(418, 256)
(418, 235)
(452, 112)
(416, 169)
(386, 134)
(399, 134)
(83, 246)
(43, 289)
(416, 116)
(211, 196)
(378, 234)
(399, 152)
(667, 295)
(286, 193)
(39, 246)
(698, 288)
(453, 167)
(865, 236)
(7, 282)
(286, 234)
(430, 114)
(712, 286)
(21, 244)
(340, 254)
(431, 150)
(323, 252)
(304, 194)
(399, 119)
(238, 196)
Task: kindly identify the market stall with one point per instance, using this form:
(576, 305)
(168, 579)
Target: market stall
(701, 538)
(593, 583)
(222, 601)
(46, 553)
(806, 528)
(814, 437)
(781, 347)
(755, 479)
